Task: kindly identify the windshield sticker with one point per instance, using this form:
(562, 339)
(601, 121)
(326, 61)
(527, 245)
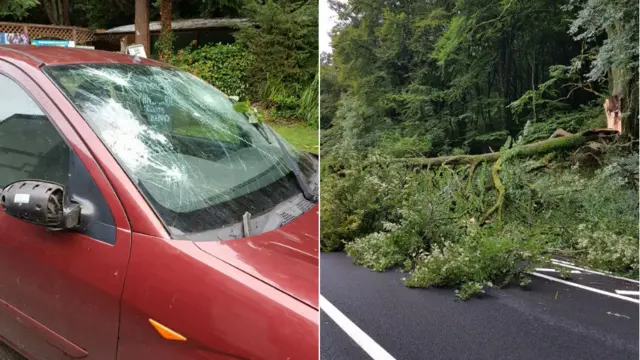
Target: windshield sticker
(157, 112)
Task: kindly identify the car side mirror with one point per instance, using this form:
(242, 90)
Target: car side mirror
(41, 203)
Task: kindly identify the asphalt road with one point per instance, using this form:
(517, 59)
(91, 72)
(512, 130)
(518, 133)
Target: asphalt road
(6, 353)
(549, 321)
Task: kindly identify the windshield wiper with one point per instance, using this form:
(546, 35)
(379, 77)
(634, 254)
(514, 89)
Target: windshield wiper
(308, 194)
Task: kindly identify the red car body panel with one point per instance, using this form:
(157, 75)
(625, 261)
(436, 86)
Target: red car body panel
(223, 312)
(65, 295)
(286, 258)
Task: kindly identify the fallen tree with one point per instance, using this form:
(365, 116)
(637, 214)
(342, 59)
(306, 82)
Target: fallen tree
(563, 141)
(567, 142)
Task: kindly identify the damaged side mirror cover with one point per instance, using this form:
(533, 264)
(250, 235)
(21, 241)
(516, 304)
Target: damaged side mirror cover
(41, 203)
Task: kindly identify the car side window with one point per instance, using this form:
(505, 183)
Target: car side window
(30, 146)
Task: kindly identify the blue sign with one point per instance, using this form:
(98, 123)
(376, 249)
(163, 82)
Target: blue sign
(63, 43)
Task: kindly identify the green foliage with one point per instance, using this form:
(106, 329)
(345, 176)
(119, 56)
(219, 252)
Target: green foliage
(241, 106)
(564, 272)
(390, 216)
(460, 74)
(484, 255)
(254, 115)
(164, 46)
(308, 108)
(472, 288)
(618, 19)
(330, 94)
(397, 145)
(377, 251)
(284, 41)
(16, 8)
(224, 66)
(357, 202)
(588, 117)
(604, 249)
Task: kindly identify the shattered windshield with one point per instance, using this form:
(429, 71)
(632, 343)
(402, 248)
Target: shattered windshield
(199, 163)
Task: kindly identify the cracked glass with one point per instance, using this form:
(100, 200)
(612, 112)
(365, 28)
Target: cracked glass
(199, 163)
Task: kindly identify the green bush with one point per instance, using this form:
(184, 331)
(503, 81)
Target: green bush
(223, 66)
(483, 255)
(284, 41)
(377, 251)
(356, 201)
(606, 250)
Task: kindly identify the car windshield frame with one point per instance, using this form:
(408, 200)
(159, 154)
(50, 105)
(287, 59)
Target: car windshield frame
(207, 208)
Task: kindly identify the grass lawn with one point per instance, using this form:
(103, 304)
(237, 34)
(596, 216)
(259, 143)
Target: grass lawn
(300, 135)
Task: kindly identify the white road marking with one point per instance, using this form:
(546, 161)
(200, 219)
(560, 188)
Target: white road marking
(363, 340)
(618, 315)
(628, 292)
(562, 261)
(554, 270)
(555, 262)
(586, 288)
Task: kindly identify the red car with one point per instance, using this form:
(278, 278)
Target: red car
(144, 218)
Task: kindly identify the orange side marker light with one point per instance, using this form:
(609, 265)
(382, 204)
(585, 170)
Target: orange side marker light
(165, 332)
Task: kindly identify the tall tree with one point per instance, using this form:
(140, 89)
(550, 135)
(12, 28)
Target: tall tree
(463, 76)
(609, 29)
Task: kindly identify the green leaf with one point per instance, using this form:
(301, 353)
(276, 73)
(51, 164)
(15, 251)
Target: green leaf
(241, 107)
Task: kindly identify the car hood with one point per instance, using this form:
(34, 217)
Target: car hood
(286, 258)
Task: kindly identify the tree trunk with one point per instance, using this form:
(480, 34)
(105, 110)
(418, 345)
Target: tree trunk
(623, 83)
(165, 49)
(54, 8)
(142, 25)
(65, 13)
(570, 141)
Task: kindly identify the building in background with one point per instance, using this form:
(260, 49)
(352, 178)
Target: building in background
(185, 31)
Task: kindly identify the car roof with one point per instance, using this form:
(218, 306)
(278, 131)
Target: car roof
(54, 55)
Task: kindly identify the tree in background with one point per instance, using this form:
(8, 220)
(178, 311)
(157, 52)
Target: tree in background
(165, 43)
(445, 77)
(16, 8)
(615, 59)
(330, 96)
(57, 11)
(187, 9)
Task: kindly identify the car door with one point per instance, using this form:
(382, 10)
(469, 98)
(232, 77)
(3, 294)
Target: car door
(60, 291)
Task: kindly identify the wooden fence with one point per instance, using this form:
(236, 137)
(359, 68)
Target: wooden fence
(37, 31)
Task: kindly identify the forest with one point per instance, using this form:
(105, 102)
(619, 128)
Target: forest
(466, 142)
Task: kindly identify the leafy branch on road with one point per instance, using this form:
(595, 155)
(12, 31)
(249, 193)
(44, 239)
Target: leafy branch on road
(432, 221)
